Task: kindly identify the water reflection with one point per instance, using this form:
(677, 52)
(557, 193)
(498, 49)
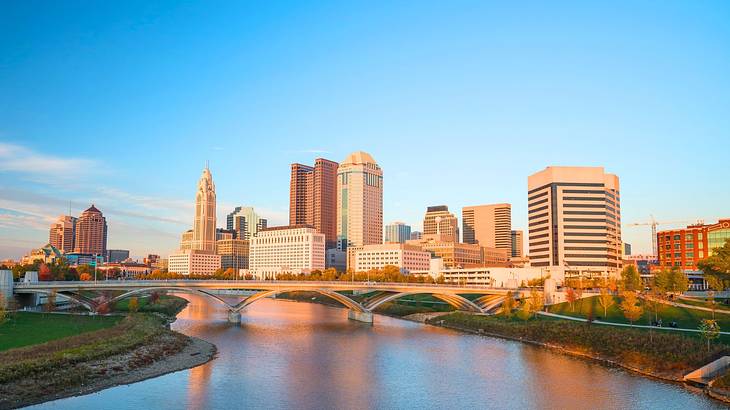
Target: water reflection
(301, 355)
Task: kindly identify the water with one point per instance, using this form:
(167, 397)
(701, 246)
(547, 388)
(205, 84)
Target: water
(301, 355)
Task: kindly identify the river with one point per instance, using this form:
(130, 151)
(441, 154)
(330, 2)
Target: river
(308, 356)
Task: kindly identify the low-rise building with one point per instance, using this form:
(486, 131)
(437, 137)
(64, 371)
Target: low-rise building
(116, 255)
(287, 249)
(404, 257)
(46, 254)
(493, 276)
(234, 253)
(194, 262)
(683, 248)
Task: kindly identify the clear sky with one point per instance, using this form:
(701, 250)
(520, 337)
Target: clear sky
(121, 103)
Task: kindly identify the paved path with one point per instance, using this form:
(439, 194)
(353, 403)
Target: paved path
(601, 322)
(683, 305)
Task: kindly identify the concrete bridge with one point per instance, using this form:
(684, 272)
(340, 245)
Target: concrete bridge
(485, 299)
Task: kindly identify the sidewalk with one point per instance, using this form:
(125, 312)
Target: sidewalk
(601, 322)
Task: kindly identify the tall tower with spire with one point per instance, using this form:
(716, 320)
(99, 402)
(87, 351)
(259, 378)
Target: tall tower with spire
(204, 225)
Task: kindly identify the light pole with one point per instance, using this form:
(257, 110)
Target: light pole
(95, 263)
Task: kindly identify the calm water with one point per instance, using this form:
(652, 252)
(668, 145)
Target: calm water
(301, 355)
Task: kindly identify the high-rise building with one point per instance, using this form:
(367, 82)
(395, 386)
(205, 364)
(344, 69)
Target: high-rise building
(574, 219)
(397, 232)
(91, 233)
(204, 224)
(359, 201)
(117, 255)
(286, 249)
(245, 222)
(63, 232)
(313, 198)
(488, 225)
(439, 221)
(234, 253)
(517, 241)
(221, 234)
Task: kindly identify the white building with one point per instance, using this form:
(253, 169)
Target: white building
(405, 257)
(286, 249)
(192, 262)
(492, 276)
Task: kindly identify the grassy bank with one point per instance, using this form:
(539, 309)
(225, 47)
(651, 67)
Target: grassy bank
(27, 328)
(661, 354)
(168, 305)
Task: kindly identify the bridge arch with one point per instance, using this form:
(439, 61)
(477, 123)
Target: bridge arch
(457, 301)
(349, 303)
(170, 288)
(88, 304)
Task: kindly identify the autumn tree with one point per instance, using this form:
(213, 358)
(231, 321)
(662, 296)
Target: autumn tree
(710, 330)
(630, 306)
(537, 301)
(50, 305)
(508, 305)
(605, 299)
(571, 296)
(133, 305)
(44, 273)
(85, 277)
(525, 310)
(678, 281)
(630, 279)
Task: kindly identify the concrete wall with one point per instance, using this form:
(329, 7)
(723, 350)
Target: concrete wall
(6, 286)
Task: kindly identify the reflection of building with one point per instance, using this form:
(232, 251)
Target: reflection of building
(117, 255)
(313, 198)
(245, 222)
(488, 225)
(286, 249)
(685, 247)
(404, 257)
(397, 232)
(63, 232)
(574, 219)
(516, 237)
(439, 221)
(46, 254)
(359, 201)
(91, 231)
(234, 253)
(204, 223)
(194, 262)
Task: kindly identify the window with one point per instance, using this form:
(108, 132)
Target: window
(676, 246)
(677, 237)
(689, 245)
(690, 254)
(689, 237)
(677, 255)
(700, 245)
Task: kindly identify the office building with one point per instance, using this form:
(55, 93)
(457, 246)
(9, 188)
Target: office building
(516, 239)
(416, 235)
(186, 240)
(397, 232)
(152, 260)
(63, 232)
(298, 249)
(359, 201)
(91, 233)
(439, 221)
(488, 225)
(245, 222)
(117, 255)
(313, 198)
(194, 262)
(574, 219)
(204, 233)
(683, 248)
(404, 257)
(234, 253)
(627, 249)
(221, 234)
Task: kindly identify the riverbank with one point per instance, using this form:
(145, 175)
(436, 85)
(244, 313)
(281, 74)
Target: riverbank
(139, 347)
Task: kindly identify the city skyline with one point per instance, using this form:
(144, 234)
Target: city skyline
(655, 93)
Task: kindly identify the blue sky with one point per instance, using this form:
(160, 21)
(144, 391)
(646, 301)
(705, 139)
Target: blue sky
(121, 104)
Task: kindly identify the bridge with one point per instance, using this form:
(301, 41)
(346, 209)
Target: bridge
(484, 299)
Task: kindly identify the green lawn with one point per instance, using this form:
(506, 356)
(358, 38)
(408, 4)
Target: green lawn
(25, 328)
(719, 303)
(685, 318)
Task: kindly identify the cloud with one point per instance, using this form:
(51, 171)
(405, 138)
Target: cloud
(19, 159)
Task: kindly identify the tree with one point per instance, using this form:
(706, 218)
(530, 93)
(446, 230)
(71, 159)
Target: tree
(44, 273)
(629, 305)
(525, 310)
(508, 305)
(719, 263)
(710, 330)
(537, 301)
(3, 311)
(571, 296)
(85, 277)
(605, 299)
(154, 298)
(678, 281)
(133, 305)
(653, 301)
(630, 279)
(51, 301)
(715, 284)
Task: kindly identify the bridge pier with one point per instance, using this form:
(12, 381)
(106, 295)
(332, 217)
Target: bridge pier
(366, 317)
(234, 317)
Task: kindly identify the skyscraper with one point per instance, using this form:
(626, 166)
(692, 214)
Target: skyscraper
(245, 222)
(439, 221)
(397, 232)
(91, 233)
(517, 244)
(574, 219)
(359, 201)
(488, 225)
(62, 233)
(313, 198)
(204, 224)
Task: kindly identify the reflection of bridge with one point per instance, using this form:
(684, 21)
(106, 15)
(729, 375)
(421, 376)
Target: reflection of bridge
(481, 299)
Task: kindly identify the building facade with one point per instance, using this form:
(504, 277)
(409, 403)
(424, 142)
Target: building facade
(245, 222)
(313, 198)
(193, 262)
(63, 233)
(416, 235)
(405, 257)
(488, 225)
(234, 253)
(117, 255)
(574, 219)
(205, 218)
(517, 244)
(397, 232)
(439, 221)
(359, 201)
(286, 249)
(46, 254)
(91, 233)
(684, 248)
(186, 240)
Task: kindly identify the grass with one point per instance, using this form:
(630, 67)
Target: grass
(663, 354)
(685, 317)
(26, 328)
(166, 304)
(719, 303)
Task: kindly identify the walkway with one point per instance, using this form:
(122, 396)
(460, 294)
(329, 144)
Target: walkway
(601, 322)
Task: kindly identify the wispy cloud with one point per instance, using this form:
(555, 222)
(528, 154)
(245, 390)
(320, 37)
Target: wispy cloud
(18, 159)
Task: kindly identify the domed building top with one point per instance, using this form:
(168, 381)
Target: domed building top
(359, 157)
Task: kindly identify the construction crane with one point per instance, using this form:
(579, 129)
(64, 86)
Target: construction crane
(653, 223)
